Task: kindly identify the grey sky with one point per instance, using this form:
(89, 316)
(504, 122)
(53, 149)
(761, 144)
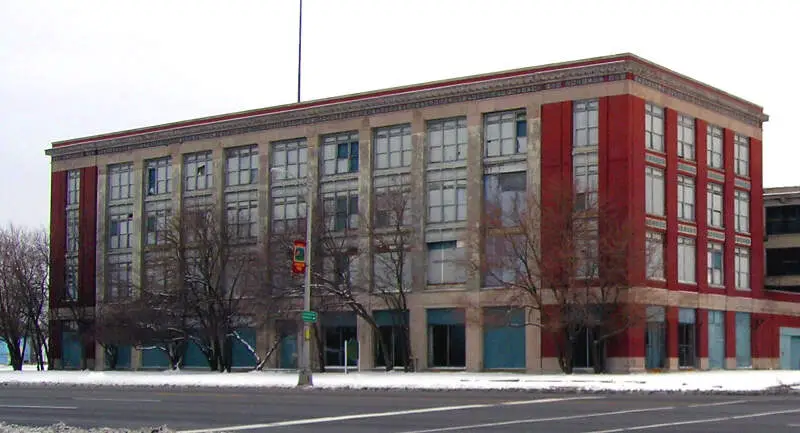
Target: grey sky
(70, 68)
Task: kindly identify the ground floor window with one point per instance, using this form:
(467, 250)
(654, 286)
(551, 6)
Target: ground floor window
(446, 338)
(716, 339)
(687, 333)
(743, 353)
(503, 338)
(655, 338)
(393, 327)
(582, 353)
(338, 328)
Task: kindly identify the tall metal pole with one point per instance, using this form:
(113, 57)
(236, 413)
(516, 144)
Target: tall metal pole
(299, 49)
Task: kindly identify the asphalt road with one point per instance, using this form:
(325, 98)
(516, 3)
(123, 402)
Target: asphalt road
(270, 410)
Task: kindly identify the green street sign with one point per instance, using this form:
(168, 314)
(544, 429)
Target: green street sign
(309, 316)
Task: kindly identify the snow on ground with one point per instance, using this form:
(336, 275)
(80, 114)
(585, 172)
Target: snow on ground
(705, 381)
(63, 428)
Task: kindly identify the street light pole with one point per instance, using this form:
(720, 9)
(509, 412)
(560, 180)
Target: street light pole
(299, 48)
(304, 376)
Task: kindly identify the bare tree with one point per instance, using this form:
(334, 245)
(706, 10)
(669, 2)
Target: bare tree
(218, 280)
(114, 327)
(391, 236)
(24, 273)
(567, 260)
(287, 287)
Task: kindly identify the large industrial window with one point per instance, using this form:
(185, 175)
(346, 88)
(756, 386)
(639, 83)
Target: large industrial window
(447, 140)
(742, 211)
(715, 264)
(783, 261)
(686, 137)
(742, 267)
(393, 147)
(654, 127)
(585, 179)
(119, 276)
(157, 222)
(340, 153)
(120, 180)
(288, 214)
(445, 263)
(585, 124)
(159, 176)
(340, 210)
(783, 219)
(742, 155)
(714, 146)
(241, 214)
(654, 191)
(506, 133)
(714, 204)
(655, 255)
(447, 201)
(73, 187)
(198, 171)
(686, 198)
(289, 160)
(120, 224)
(242, 165)
(687, 260)
(505, 197)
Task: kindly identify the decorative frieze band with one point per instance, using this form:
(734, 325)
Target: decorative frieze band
(656, 223)
(687, 229)
(713, 175)
(655, 159)
(618, 69)
(688, 168)
(741, 183)
(717, 236)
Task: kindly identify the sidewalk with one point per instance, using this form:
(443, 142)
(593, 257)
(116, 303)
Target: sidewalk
(713, 381)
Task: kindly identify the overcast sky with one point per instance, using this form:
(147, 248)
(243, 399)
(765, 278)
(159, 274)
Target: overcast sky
(70, 68)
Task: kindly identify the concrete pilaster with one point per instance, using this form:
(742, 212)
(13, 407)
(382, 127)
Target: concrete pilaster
(366, 345)
(365, 207)
(136, 359)
(474, 242)
(419, 335)
(533, 343)
(100, 357)
(264, 178)
(137, 226)
(419, 155)
(474, 334)
(101, 242)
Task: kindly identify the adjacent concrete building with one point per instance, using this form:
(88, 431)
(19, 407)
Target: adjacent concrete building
(783, 260)
(681, 157)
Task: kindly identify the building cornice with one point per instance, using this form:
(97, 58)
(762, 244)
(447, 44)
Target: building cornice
(576, 74)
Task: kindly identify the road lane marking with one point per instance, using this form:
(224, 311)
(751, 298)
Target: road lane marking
(536, 420)
(696, 421)
(123, 400)
(22, 406)
(723, 403)
(381, 415)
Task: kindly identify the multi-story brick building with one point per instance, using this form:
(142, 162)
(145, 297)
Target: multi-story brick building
(682, 158)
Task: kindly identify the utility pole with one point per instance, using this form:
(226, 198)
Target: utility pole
(304, 357)
(299, 49)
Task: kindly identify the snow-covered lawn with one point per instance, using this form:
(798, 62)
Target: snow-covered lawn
(720, 381)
